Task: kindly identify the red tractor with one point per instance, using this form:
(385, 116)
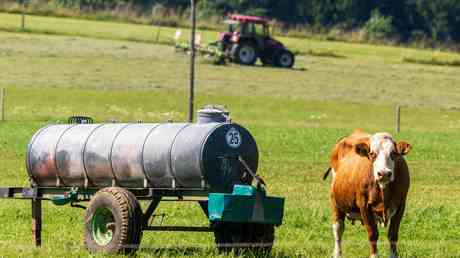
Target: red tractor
(248, 39)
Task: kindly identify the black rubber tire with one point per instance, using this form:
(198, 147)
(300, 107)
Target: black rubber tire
(244, 238)
(236, 53)
(137, 222)
(280, 59)
(128, 223)
(262, 238)
(227, 236)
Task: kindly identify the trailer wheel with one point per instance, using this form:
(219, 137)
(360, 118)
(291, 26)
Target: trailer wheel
(228, 236)
(262, 238)
(243, 238)
(113, 222)
(137, 221)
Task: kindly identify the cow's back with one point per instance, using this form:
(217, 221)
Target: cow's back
(345, 147)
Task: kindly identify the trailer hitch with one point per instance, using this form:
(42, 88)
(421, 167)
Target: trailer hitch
(74, 205)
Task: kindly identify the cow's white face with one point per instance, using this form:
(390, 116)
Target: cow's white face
(383, 152)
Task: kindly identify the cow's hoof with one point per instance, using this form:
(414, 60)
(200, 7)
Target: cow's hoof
(337, 255)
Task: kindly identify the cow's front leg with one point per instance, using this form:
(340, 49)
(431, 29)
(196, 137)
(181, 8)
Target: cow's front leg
(338, 227)
(393, 231)
(372, 230)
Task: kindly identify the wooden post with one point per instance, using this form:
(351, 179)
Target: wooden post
(192, 62)
(158, 34)
(2, 100)
(398, 119)
(23, 15)
(37, 221)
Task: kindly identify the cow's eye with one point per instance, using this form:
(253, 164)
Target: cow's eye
(372, 155)
(393, 155)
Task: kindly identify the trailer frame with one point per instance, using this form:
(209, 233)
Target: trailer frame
(155, 195)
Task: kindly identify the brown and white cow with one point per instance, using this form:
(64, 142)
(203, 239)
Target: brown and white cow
(370, 184)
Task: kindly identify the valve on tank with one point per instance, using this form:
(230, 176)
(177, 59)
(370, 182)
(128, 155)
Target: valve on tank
(213, 114)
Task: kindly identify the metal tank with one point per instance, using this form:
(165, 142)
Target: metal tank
(169, 155)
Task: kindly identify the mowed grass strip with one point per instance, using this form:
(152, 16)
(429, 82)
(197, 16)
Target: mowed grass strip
(433, 61)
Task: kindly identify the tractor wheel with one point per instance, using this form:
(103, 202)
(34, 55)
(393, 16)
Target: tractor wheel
(244, 53)
(244, 238)
(113, 222)
(284, 59)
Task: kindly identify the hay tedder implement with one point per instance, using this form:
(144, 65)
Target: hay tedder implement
(247, 40)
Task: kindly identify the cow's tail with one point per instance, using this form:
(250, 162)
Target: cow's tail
(328, 171)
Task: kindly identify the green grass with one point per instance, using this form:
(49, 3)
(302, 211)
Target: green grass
(95, 69)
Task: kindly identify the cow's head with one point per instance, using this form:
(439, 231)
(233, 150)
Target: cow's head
(383, 152)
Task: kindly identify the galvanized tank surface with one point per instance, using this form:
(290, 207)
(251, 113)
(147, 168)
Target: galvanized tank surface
(169, 155)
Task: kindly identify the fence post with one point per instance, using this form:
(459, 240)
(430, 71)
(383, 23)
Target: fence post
(398, 119)
(2, 104)
(192, 61)
(158, 34)
(23, 15)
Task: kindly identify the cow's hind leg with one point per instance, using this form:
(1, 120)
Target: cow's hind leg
(338, 227)
(393, 231)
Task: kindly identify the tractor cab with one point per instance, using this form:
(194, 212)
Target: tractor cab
(248, 38)
(248, 26)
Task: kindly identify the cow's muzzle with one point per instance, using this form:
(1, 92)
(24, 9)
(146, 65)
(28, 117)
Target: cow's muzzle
(384, 176)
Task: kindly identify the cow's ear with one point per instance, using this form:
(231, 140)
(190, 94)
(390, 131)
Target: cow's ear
(403, 147)
(362, 149)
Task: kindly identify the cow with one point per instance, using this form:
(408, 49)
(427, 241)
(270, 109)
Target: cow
(370, 181)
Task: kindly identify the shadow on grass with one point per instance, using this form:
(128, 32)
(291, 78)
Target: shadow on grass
(261, 66)
(177, 251)
(203, 252)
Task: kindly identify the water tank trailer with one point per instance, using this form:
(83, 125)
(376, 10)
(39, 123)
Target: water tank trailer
(113, 166)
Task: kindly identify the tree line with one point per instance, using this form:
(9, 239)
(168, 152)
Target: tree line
(405, 19)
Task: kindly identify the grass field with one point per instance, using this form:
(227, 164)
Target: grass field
(62, 67)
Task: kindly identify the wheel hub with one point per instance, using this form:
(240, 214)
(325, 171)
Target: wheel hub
(285, 60)
(102, 226)
(247, 54)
